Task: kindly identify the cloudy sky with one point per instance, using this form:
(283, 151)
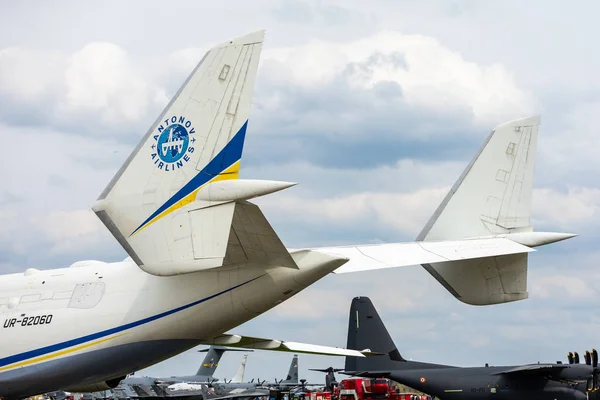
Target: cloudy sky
(373, 107)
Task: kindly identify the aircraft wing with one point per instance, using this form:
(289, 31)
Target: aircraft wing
(389, 255)
(249, 342)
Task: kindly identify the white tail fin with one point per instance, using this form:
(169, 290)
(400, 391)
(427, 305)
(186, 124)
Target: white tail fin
(150, 206)
(477, 241)
(491, 197)
(239, 375)
(493, 194)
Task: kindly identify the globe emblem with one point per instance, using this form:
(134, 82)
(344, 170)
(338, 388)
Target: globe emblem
(173, 143)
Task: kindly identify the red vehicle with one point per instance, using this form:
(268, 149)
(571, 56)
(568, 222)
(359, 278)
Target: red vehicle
(373, 389)
(312, 396)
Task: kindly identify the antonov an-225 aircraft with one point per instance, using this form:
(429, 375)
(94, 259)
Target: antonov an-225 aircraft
(203, 260)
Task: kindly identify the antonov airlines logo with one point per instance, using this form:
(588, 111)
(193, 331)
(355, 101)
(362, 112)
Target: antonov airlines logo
(173, 143)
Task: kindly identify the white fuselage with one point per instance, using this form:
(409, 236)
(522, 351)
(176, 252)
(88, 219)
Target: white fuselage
(82, 315)
(185, 386)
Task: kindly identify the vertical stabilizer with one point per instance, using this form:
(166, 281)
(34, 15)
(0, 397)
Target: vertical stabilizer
(239, 375)
(491, 197)
(152, 206)
(211, 361)
(367, 331)
(292, 376)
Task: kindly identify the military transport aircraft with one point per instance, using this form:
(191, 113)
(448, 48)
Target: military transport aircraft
(203, 259)
(190, 390)
(141, 386)
(532, 381)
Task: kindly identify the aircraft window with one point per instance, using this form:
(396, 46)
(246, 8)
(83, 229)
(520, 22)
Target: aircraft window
(87, 295)
(30, 298)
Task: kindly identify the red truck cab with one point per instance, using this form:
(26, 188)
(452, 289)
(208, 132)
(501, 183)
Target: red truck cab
(372, 389)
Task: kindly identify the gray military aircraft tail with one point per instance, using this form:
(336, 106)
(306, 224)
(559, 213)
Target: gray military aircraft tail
(533, 381)
(136, 386)
(211, 361)
(292, 377)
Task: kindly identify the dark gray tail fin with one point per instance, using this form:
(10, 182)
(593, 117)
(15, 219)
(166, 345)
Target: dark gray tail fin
(211, 361)
(292, 376)
(367, 331)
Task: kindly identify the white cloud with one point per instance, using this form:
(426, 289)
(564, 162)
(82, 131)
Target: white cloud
(26, 75)
(101, 79)
(93, 90)
(69, 231)
(404, 212)
(430, 75)
(577, 207)
(560, 285)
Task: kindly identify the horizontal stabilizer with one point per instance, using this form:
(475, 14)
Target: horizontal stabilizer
(249, 342)
(380, 256)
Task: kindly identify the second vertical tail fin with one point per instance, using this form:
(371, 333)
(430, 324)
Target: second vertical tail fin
(211, 360)
(491, 197)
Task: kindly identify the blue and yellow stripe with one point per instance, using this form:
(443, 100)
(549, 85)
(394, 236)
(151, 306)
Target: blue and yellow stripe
(71, 346)
(225, 165)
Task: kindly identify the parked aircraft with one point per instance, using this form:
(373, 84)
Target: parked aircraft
(141, 386)
(330, 379)
(553, 381)
(203, 259)
(190, 390)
